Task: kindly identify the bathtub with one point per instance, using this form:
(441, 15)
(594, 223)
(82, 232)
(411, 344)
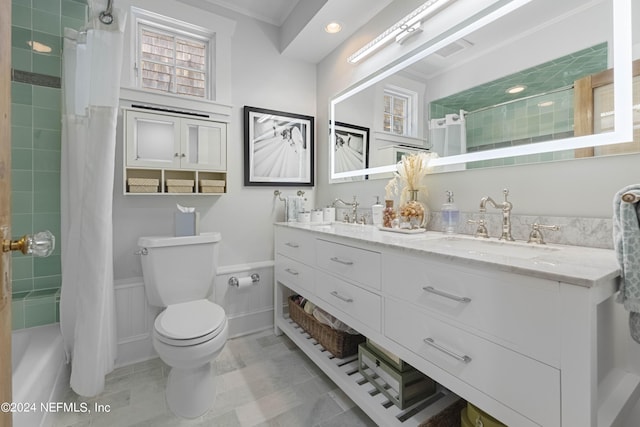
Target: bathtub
(39, 373)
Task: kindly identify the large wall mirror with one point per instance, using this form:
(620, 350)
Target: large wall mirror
(517, 82)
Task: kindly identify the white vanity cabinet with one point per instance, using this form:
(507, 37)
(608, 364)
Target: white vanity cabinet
(534, 343)
(165, 146)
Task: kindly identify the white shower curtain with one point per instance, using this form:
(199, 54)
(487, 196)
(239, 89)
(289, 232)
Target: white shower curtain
(92, 61)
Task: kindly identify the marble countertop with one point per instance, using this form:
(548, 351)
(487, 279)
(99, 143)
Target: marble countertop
(577, 265)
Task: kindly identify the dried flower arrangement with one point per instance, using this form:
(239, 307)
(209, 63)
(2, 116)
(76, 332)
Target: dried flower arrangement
(410, 174)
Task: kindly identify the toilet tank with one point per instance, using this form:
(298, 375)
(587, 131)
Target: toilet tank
(178, 269)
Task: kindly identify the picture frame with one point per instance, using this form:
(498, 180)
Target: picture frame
(279, 148)
(350, 149)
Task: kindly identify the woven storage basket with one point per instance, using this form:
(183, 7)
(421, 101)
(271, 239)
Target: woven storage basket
(340, 344)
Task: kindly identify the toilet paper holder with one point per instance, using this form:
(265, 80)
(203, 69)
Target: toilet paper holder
(234, 281)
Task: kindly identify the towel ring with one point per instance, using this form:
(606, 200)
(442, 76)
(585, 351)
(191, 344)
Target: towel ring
(630, 198)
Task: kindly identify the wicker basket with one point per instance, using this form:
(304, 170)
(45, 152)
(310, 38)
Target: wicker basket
(340, 344)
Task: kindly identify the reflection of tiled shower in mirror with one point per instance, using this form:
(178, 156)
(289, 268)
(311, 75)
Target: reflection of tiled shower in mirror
(448, 136)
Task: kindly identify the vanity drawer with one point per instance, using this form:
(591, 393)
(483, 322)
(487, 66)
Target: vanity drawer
(296, 244)
(356, 264)
(354, 302)
(294, 274)
(520, 312)
(521, 383)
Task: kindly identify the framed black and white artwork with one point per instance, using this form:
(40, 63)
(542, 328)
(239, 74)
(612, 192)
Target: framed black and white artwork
(278, 148)
(350, 148)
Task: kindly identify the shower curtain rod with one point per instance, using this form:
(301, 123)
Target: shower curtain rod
(106, 16)
(560, 89)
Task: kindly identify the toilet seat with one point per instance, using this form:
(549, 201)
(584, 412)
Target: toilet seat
(190, 323)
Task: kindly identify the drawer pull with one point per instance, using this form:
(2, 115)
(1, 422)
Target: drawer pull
(433, 290)
(292, 272)
(341, 261)
(337, 295)
(292, 245)
(464, 358)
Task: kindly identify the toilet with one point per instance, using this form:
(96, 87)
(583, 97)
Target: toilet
(191, 330)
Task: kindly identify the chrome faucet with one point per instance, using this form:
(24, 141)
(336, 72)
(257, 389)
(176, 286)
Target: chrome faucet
(506, 207)
(354, 209)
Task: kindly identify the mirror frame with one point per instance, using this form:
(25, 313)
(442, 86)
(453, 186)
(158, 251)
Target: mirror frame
(623, 102)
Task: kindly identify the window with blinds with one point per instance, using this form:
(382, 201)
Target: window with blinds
(172, 62)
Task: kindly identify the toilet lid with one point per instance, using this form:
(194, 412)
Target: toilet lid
(189, 320)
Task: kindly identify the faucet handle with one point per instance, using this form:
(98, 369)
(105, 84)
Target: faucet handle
(481, 230)
(536, 232)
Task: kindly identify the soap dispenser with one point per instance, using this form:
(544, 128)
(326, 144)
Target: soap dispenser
(376, 213)
(450, 214)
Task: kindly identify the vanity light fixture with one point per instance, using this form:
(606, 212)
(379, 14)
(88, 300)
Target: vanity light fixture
(333, 27)
(413, 30)
(545, 104)
(402, 26)
(515, 89)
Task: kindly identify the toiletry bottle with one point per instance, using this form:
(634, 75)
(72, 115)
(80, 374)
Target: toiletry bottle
(376, 213)
(450, 214)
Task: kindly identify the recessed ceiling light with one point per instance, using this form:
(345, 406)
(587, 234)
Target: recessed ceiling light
(516, 89)
(545, 104)
(39, 47)
(333, 27)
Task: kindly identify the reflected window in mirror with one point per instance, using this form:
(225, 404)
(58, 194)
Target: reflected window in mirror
(398, 111)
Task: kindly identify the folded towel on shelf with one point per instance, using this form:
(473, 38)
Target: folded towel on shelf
(626, 242)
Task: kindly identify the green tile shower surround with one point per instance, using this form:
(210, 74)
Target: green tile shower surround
(496, 120)
(35, 150)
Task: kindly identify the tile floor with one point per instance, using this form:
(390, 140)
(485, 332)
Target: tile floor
(261, 380)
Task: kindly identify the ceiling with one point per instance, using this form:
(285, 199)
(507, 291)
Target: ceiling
(301, 22)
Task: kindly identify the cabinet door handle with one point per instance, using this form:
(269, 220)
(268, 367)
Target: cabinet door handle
(337, 295)
(435, 291)
(176, 155)
(464, 358)
(292, 245)
(341, 261)
(292, 272)
(183, 155)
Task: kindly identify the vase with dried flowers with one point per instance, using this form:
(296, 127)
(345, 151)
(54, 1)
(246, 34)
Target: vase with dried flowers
(408, 182)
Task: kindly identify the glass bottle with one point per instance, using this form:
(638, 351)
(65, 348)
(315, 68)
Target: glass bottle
(413, 213)
(389, 214)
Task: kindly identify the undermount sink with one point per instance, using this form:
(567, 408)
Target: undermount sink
(484, 247)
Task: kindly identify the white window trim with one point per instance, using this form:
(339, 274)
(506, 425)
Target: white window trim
(173, 26)
(411, 122)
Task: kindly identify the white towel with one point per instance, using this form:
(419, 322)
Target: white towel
(626, 242)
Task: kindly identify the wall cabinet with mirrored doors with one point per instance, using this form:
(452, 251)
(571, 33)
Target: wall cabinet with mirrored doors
(168, 153)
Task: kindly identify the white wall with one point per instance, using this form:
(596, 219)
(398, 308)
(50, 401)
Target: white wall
(259, 77)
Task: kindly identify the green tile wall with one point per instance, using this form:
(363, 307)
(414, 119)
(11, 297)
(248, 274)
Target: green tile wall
(35, 150)
(495, 120)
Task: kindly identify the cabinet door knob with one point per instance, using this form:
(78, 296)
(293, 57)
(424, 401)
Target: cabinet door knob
(176, 155)
(183, 155)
